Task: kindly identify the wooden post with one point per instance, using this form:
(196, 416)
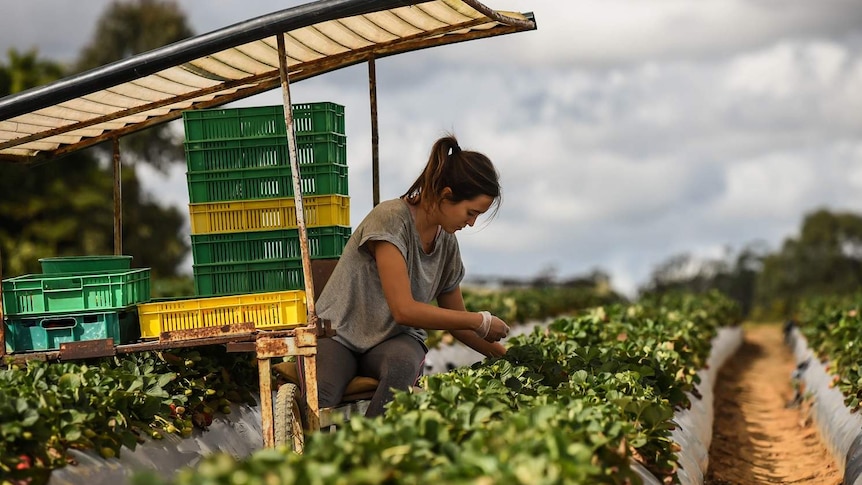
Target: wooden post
(118, 199)
(264, 371)
(375, 134)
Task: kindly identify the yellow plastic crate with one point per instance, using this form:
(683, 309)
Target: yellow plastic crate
(268, 311)
(268, 214)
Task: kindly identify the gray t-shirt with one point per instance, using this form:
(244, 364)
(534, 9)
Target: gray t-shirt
(353, 298)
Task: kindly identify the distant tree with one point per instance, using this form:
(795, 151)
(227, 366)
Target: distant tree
(128, 28)
(65, 207)
(735, 274)
(825, 259)
(26, 70)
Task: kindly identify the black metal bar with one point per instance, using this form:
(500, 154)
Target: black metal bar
(188, 50)
(375, 136)
(118, 199)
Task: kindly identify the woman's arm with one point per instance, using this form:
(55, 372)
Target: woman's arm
(396, 288)
(454, 300)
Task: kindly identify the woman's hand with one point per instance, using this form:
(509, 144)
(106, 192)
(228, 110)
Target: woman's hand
(492, 329)
(499, 330)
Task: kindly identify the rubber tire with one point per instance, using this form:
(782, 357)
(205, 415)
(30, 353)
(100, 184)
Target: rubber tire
(288, 419)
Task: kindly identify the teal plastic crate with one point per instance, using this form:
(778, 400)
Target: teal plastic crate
(48, 331)
(265, 183)
(249, 277)
(261, 121)
(313, 148)
(35, 294)
(326, 242)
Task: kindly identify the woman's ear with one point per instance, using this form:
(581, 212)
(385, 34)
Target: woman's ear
(446, 193)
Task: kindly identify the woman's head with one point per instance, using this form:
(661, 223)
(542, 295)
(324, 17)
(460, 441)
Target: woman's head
(455, 176)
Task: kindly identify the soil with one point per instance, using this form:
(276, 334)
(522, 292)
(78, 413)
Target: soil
(761, 434)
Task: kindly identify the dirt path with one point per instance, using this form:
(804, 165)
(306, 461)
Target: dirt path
(757, 437)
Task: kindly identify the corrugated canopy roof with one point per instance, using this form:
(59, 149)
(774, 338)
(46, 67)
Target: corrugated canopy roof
(229, 64)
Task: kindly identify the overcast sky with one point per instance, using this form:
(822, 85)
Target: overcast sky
(625, 131)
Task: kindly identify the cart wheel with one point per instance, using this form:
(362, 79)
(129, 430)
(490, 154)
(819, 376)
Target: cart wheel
(288, 420)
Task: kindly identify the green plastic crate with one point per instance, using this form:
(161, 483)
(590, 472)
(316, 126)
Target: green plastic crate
(318, 118)
(325, 242)
(250, 277)
(314, 148)
(265, 183)
(48, 331)
(74, 292)
(261, 121)
(85, 264)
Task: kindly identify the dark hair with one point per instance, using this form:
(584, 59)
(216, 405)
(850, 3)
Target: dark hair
(467, 173)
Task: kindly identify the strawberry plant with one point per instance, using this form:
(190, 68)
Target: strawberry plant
(573, 403)
(104, 404)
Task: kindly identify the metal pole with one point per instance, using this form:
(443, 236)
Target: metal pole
(297, 186)
(311, 398)
(375, 134)
(118, 199)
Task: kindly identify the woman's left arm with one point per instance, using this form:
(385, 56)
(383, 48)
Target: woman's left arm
(454, 300)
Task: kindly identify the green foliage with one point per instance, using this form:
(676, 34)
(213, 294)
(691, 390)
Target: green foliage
(523, 305)
(131, 27)
(65, 207)
(573, 404)
(46, 409)
(833, 328)
(825, 259)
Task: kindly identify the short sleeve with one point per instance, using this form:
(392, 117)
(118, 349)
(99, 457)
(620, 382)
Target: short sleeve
(385, 224)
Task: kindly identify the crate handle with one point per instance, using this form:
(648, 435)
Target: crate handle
(64, 284)
(58, 323)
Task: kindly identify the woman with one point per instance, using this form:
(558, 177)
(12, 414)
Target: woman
(403, 256)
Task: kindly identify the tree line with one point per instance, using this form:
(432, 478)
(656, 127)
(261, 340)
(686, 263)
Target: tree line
(825, 258)
(65, 207)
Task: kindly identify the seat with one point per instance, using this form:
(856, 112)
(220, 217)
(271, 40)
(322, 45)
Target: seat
(359, 388)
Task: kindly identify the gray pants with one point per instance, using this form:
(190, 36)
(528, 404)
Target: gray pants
(397, 363)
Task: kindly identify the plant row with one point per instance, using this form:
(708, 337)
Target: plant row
(47, 409)
(521, 305)
(576, 402)
(833, 328)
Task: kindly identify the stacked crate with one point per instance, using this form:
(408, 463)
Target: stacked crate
(75, 299)
(245, 237)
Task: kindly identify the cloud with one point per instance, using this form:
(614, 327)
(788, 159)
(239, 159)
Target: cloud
(625, 132)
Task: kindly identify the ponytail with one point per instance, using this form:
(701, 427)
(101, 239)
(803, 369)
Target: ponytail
(467, 173)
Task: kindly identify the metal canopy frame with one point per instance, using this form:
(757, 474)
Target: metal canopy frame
(248, 58)
(229, 64)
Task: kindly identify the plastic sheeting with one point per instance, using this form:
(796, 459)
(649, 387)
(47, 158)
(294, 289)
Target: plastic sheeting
(840, 429)
(238, 434)
(694, 430)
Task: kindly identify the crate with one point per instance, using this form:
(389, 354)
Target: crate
(232, 123)
(248, 277)
(323, 243)
(74, 292)
(261, 121)
(268, 214)
(318, 118)
(48, 331)
(313, 148)
(265, 183)
(269, 311)
(85, 264)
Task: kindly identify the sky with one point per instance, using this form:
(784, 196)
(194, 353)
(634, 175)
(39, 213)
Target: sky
(625, 132)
